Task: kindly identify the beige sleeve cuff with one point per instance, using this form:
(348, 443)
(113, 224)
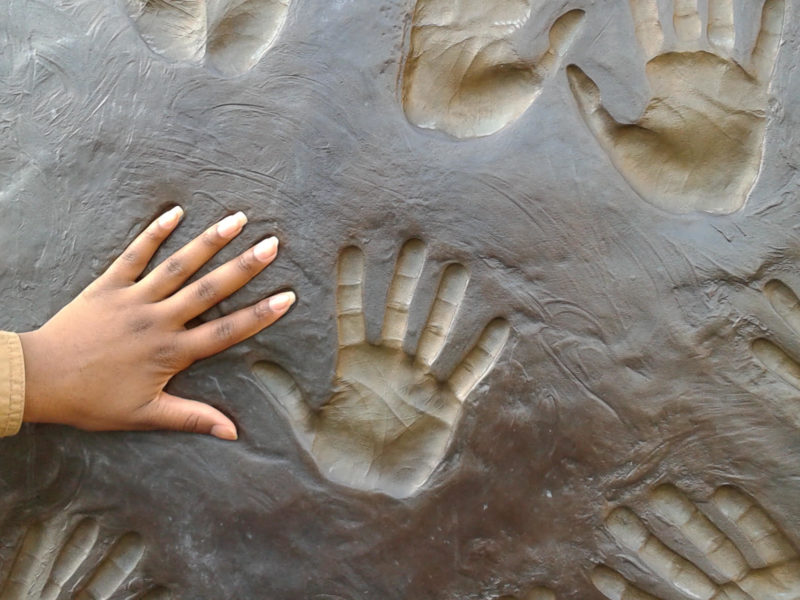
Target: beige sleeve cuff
(12, 383)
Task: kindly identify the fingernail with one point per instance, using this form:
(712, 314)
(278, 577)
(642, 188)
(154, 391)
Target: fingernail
(170, 218)
(266, 249)
(231, 225)
(224, 432)
(282, 301)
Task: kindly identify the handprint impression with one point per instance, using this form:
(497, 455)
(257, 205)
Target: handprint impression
(699, 143)
(737, 554)
(231, 36)
(389, 421)
(53, 565)
(787, 305)
(463, 75)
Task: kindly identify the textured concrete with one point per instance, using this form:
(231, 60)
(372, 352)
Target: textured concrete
(631, 337)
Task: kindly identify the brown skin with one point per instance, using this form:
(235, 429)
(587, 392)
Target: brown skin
(102, 362)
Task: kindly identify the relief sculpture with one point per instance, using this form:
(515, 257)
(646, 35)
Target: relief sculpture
(787, 306)
(53, 562)
(389, 420)
(463, 75)
(228, 36)
(732, 550)
(699, 142)
(541, 350)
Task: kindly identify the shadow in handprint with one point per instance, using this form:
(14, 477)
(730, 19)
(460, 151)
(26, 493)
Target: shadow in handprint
(698, 145)
(389, 420)
(463, 75)
(52, 563)
(740, 553)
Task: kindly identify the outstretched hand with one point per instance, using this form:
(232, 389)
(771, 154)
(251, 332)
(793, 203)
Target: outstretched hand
(102, 362)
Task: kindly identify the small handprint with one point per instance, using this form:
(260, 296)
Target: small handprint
(230, 36)
(53, 565)
(740, 529)
(462, 73)
(699, 142)
(389, 421)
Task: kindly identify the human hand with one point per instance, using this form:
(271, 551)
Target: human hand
(102, 362)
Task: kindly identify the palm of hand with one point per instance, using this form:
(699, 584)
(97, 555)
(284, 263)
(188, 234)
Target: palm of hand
(705, 112)
(699, 142)
(389, 420)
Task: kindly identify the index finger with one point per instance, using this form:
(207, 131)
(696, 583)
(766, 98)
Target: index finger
(133, 261)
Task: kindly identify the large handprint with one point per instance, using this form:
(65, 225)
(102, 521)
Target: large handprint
(389, 421)
(720, 570)
(699, 143)
(462, 73)
(53, 565)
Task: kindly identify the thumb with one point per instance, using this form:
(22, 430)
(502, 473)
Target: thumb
(605, 128)
(281, 389)
(179, 414)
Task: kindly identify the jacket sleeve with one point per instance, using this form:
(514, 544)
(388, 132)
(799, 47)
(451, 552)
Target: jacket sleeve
(12, 383)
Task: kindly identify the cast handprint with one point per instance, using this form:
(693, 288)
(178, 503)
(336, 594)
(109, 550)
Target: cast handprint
(230, 36)
(389, 420)
(787, 305)
(463, 75)
(739, 555)
(698, 145)
(54, 564)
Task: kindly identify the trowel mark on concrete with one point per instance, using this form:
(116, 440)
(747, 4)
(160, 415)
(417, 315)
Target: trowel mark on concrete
(49, 564)
(230, 36)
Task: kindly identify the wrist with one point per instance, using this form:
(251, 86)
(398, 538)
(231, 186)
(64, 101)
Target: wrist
(36, 409)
